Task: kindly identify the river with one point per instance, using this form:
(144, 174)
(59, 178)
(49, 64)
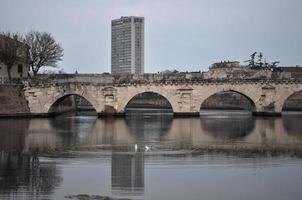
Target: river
(220, 155)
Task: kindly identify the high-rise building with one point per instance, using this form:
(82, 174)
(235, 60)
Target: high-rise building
(127, 45)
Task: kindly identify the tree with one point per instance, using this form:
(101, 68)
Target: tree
(252, 60)
(44, 51)
(52, 71)
(260, 63)
(10, 43)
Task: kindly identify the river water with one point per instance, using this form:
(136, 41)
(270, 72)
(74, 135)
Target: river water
(152, 156)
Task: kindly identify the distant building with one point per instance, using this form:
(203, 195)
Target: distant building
(226, 64)
(295, 72)
(21, 66)
(233, 70)
(127, 45)
(292, 69)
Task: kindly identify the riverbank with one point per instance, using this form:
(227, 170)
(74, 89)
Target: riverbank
(91, 197)
(245, 150)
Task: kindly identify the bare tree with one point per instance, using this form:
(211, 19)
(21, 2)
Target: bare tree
(44, 51)
(52, 71)
(10, 43)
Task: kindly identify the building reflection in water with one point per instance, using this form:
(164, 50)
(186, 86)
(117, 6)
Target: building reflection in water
(127, 167)
(20, 170)
(128, 173)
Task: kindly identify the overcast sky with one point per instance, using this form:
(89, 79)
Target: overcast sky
(187, 35)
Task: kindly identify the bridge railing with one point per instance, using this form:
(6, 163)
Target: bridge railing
(161, 82)
(108, 79)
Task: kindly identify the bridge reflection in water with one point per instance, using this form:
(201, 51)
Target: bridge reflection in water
(71, 131)
(117, 139)
(226, 127)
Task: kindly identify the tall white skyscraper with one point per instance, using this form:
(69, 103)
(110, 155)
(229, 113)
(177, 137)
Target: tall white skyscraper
(127, 45)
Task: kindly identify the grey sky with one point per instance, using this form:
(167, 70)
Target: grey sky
(187, 35)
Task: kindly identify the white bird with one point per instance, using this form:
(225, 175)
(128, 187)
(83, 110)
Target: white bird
(147, 148)
(135, 147)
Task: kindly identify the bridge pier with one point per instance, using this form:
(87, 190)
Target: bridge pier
(111, 115)
(186, 114)
(267, 114)
(190, 114)
(123, 114)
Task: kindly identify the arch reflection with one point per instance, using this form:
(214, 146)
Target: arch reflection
(292, 125)
(144, 125)
(72, 127)
(228, 127)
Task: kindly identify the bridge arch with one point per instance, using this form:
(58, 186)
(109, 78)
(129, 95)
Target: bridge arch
(53, 106)
(251, 100)
(292, 101)
(132, 97)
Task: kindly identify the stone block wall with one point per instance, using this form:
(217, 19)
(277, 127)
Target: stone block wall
(12, 100)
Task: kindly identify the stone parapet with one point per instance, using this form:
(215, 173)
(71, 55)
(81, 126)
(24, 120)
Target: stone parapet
(108, 80)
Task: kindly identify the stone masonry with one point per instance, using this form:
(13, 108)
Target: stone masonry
(109, 96)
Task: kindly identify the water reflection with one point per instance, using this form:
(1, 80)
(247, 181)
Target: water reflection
(72, 127)
(12, 133)
(228, 127)
(292, 125)
(162, 132)
(128, 173)
(20, 168)
(22, 172)
(26, 146)
(19, 176)
(144, 125)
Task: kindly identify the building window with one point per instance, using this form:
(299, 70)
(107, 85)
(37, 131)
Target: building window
(20, 69)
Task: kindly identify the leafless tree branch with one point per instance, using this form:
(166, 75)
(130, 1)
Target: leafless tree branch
(44, 51)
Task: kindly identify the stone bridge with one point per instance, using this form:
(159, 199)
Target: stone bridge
(110, 97)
